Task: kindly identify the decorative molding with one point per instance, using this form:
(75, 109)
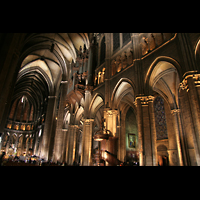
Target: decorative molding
(111, 112)
(196, 77)
(87, 121)
(144, 100)
(183, 85)
(174, 111)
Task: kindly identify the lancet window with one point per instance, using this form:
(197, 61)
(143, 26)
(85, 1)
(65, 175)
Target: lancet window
(160, 118)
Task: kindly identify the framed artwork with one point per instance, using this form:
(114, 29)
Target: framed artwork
(131, 140)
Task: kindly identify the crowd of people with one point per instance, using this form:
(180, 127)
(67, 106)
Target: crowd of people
(23, 160)
(9, 160)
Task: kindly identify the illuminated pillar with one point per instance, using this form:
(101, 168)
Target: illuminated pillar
(23, 142)
(189, 103)
(140, 134)
(8, 143)
(146, 130)
(91, 61)
(76, 127)
(63, 152)
(146, 134)
(70, 145)
(48, 127)
(177, 132)
(67, 145)
(88, 98)
(119, 155)
(153, 130)
(35, 143)
(86, 157)
(59, 135)
(193, 82)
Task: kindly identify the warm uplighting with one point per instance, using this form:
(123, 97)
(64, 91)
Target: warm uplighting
(100, 136)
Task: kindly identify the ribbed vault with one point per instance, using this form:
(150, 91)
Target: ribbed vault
(44, 63)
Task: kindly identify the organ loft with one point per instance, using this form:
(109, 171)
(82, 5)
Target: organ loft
(101, 99)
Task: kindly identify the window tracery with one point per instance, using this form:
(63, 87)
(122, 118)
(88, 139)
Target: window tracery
(160, 119)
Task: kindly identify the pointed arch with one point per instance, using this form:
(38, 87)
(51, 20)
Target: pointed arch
(78, 115)
(164, 76)
(96, 103)
(122, 88)
(154, 64)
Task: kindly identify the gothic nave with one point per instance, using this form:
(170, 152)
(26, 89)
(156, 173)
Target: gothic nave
(101, 99)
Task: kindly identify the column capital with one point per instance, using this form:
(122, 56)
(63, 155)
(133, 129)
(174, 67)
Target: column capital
(87, 121)
(174, 111)
(111, 112)
(183, 85)
(188, 75)
(144, 100)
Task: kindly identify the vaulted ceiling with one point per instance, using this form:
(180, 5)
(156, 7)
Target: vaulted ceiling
(45, 61)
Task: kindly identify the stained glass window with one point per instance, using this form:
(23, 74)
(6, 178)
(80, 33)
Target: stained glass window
(116, 42)
(160, 119)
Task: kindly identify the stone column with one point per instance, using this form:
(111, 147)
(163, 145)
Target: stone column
(27, 144)
(190, 117)
(67, 145)
(23, 142)
(59, 135)
(153, 130)
(192, 82)
(63, 153)
(48, 127)
(88, 98)
(140, 132)
(146, 134)
(91, 61)
(146, 130)
(119, 156)
(177, 132)
(35, 144)
(75, 142)
(70, 144)
(86, 157)
(108, 69)
(8, 143)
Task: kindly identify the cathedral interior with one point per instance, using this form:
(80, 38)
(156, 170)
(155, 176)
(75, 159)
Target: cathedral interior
(101, 99)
